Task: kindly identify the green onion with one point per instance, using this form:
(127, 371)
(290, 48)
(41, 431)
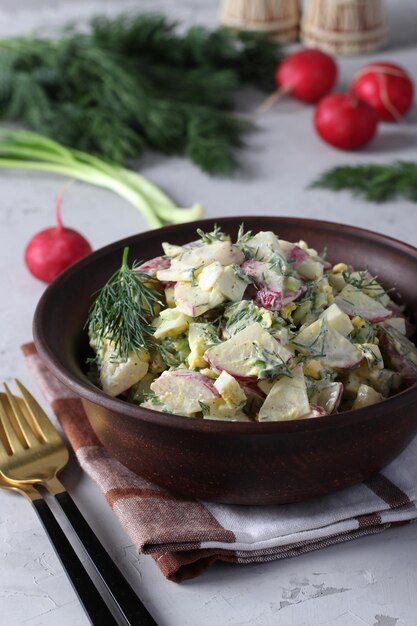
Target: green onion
(21, 149)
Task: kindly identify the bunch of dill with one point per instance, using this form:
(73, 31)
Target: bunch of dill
(133, 81)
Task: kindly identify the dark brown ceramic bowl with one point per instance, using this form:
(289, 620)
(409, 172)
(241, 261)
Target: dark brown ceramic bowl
(240, 463)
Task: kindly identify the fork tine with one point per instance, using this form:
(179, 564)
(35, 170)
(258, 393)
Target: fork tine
(20, 421)
(12, 440)
(41, 421)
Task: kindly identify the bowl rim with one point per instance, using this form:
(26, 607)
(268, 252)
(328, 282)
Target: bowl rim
(89, 392)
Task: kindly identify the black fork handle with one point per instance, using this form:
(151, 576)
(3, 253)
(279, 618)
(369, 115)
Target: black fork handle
(128, 603)
(94, 605)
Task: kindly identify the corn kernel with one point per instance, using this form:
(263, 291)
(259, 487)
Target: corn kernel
(358, 321)
(339, 268)
(210, 373)
(196, 360)
(287, 310)
(312, 368)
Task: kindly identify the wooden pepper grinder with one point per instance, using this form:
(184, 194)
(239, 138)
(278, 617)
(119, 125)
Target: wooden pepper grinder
(280, 18)
(344, 26)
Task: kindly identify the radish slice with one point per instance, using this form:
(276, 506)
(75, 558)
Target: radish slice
(271, 294)
(354, 302)
(290, 296)
(399, 352)
(304, 264)
(327, 345)
(296, 255)
(270, 283)
(338, 320)
(263, 274)
(366, 396)
(315, 411)
(152, 266)
(268, 299)
(327, 396)
(249, 354)
(181, 391)
(287, 399)
(254, 398)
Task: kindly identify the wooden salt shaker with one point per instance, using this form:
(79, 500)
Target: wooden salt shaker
(280, 18)
(344, 26)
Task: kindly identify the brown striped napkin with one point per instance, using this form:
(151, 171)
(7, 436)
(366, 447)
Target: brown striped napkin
(186, 536)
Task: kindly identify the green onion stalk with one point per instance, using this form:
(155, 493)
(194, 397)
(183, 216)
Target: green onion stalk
(21, 149)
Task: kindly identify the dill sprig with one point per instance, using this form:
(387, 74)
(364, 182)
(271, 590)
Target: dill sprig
(239, 315)
(173, 350)
(364, 281)
(122, 311)
(376, 183)
(240, 273)
(277, 263)
(318, 347)
(205, 409)
(242, 241)
(210, 237)
(270, 363)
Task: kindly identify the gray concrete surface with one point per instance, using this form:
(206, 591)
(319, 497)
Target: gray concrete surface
(371, 581)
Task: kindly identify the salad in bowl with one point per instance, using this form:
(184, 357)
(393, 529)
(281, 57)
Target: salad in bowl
(257, 329)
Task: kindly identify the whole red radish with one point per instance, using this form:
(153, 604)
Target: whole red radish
(307, 75)
(386, 87)
(52, 250)
(345, 121)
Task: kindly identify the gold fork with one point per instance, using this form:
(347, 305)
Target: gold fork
(32, 452)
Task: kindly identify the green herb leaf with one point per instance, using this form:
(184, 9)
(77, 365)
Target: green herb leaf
(270, 364)
(215, 235)
(242, 241)
(122, 311)
(376, 183)
(134, 81)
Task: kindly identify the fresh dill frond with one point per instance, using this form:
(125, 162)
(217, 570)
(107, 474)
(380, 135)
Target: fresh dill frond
(323, 254)
(122, 311)
(276, 262)
(173, 350)
(243, 275)
(374, 182)
(239, 315)
(318, 347)
(243, 238)
(371, 357)
(210, 237)
(367, 283)
(311, 287)
(152, 398)
(205, 409)
(360, 279)
(270, 363)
